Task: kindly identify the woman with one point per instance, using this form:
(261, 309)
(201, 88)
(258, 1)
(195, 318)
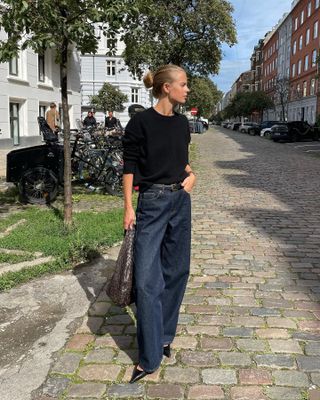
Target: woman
(156, 158)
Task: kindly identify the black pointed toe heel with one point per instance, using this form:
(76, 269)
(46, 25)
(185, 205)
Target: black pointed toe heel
(167, 351)
(137, 375)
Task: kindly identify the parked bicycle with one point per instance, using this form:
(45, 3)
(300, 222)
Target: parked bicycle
(38, 170)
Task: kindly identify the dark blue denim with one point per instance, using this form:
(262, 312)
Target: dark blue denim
(162, 264)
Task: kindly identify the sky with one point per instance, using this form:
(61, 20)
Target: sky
(254, 18)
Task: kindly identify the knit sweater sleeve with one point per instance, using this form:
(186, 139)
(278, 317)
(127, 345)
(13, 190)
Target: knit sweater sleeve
(131, 145)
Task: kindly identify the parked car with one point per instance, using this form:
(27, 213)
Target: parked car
(266, 132)
(256, 129)
(225, 124)
(244, 128)
(196, 126)
(235, 126)
(294, 131)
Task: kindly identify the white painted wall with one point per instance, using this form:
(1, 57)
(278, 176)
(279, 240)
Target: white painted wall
(30, 93)
(94, 75)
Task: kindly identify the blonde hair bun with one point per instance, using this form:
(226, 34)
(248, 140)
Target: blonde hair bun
(148, 80)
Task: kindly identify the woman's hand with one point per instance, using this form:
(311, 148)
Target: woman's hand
(129, 218)
(189, 183)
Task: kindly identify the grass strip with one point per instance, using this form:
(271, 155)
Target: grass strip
(44, 232)
(14, 258)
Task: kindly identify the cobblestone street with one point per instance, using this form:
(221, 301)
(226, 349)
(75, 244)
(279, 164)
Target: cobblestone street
(250, 322)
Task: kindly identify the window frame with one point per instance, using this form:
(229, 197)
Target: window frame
(111, 67)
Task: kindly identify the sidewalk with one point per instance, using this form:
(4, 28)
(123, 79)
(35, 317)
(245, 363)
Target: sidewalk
(249, 327)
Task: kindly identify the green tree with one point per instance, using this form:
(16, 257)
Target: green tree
(109, 98)
(61, 25)
(204, 95)
(183, 32)
(245, 103)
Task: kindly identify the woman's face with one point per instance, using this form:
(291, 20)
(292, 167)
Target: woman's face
(178, 90)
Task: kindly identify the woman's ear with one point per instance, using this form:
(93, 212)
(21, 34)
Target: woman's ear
(166, 87)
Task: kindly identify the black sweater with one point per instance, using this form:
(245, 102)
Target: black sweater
(156, 148)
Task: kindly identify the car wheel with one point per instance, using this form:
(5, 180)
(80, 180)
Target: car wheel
(267, 135)
(242, 131)
(294, 137)
(38, 185)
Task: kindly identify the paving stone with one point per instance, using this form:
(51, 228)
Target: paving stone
(181, 375)
(188, 342)
(219, 376)
(125, 391)
(233, 358)
(214, 320)
(186, 319)
(306, 336)
(313, 326)
(216, 343)
(314, 394)
(85, 390)
(281, 393)
(247, 393)
(315, 378)
(122, 342)
(290, 378)
(202, 392)
(312, 349)
(165, 391)
(154, 377)
(272, 333)
(203, 330)
(251, 345)
(103, 356)
(278, 322)
(99, 309)
(255, 377)
(115, 329)
(265, 312)
(206, 309)
(274, 361)
(309, 364)
(248, 322)
(99, 372)
(55, 386)
(198, 358)
(79, 342)
(239, 332)
(285, 346)
(67, 363)
(128, 357)
(91, 325)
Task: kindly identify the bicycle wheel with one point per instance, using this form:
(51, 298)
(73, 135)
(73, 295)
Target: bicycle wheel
(113, 182)
(38, 185)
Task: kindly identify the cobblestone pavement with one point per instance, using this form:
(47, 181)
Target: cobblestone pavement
(250, 320)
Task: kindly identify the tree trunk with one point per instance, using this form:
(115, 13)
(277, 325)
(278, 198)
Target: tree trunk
(66, 135)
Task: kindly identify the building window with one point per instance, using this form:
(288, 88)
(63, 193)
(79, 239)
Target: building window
(42, 113)
(300, 42)
(307, 36)
(111, 68)
(314, 58)
(304, 88)
(317, 3)
(299, 67)
(296, 24)
(302, 17)
(309, 9)
(41, 68)
(134, 95)
(294, 47)
(111, 42)
(298, 89)
(14, 123)
(306, 63)
(315, 30)
(293, 70)
(312, 87)
(14, 66)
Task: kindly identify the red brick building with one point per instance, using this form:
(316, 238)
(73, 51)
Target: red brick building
(270, 67)
(305, 42)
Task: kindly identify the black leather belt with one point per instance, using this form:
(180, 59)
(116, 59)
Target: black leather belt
(173, 186)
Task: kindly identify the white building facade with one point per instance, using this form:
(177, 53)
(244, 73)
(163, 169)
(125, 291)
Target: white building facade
(28, 84)
(98, 68)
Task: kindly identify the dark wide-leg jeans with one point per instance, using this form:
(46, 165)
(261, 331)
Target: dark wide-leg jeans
(162, 263)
